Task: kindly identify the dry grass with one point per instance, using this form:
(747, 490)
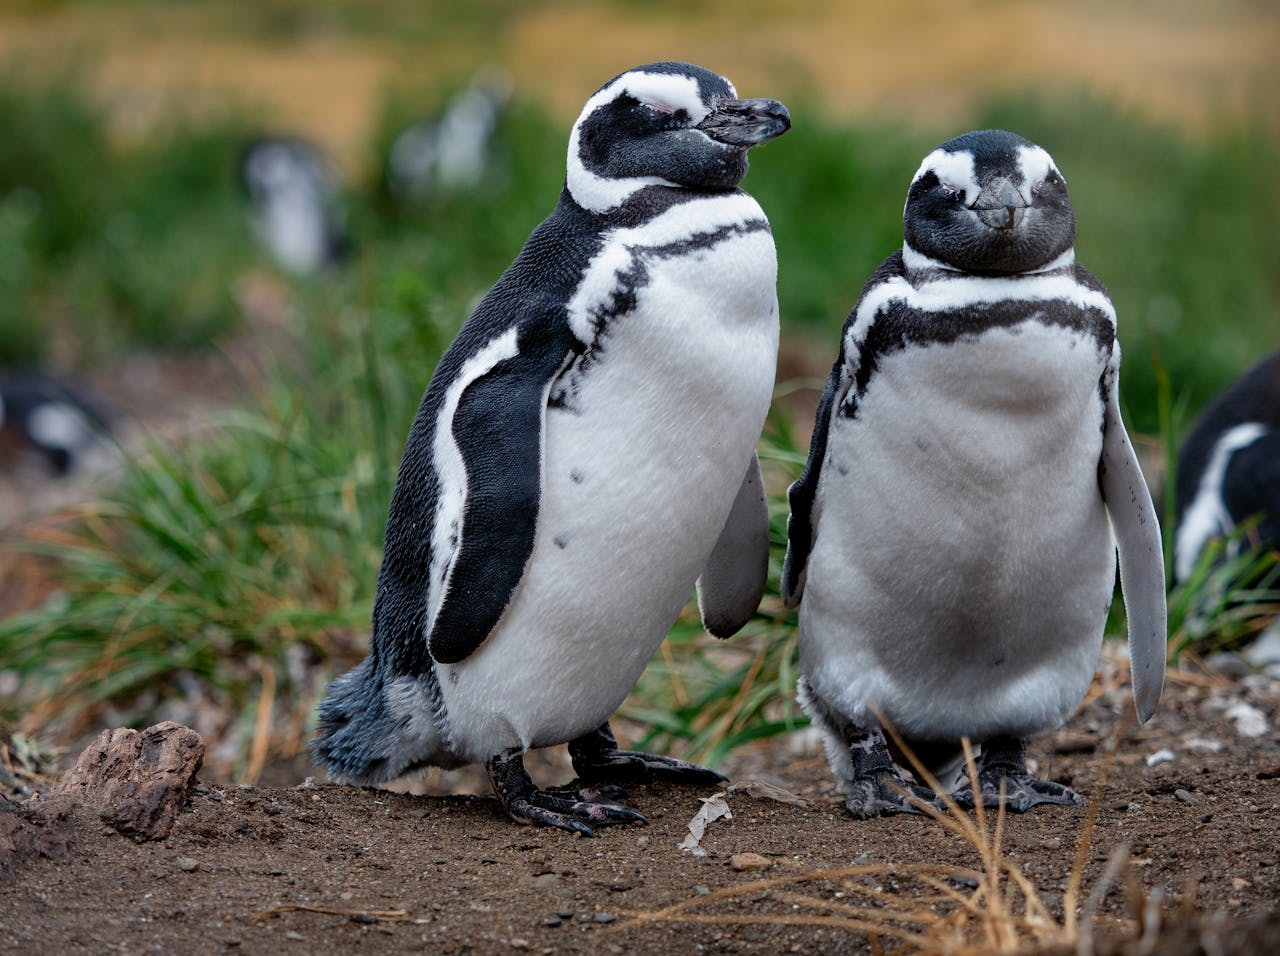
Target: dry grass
(917, 909)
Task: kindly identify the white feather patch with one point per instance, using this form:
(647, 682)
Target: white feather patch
(955, 169)
(678, 223)
(1035, 164)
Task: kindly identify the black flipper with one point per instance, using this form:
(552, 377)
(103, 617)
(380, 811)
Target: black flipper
(802, 491)
(499, 430)
(732, 583)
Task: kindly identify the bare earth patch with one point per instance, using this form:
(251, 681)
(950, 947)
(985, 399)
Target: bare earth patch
(335, 869)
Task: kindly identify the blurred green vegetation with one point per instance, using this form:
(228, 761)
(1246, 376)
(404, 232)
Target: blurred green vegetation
(247, 558)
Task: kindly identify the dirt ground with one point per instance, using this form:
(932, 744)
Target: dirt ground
(1193, 795)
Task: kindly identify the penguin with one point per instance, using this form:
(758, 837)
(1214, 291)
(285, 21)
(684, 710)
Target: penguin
(41, 413)
(952, 538)
(1229, 469)
(453, 152)
(296, 213)
(583, 455)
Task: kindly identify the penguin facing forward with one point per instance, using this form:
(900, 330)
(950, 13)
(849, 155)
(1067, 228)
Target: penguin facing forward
(296, 212)
(584, 452)
(1229, 468)
(950, 543)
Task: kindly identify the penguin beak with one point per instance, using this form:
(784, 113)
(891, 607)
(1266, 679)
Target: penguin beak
(1000, 205)
(746, 122)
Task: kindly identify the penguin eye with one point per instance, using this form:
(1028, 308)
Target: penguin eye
(952, 190)
(1051, 181)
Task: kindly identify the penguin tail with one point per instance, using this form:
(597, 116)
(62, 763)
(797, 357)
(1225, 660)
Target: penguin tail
(372, 730)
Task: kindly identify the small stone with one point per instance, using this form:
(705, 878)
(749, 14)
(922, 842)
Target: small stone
(1120, 806)
(547, 881)
(551, 921)
(1164, 755)
(603, 918)
(188, 865)
(749, 861)
(1185, 796)
(701, 890)
(346, 894)
(519, 943)
(1239, 883)
(296, 937)
(642, 841)
(565, 913)
(1204, 818)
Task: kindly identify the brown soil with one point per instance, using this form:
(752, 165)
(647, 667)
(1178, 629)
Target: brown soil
(331, 869)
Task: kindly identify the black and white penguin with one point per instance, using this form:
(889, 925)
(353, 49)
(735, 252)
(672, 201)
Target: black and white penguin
(1229, 468)
(951, 542)
(40, 413)
(452, 152)
(296, 211)
(584, 452)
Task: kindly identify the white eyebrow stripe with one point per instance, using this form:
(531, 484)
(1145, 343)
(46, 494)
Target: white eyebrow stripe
(1035, 165)
(954, 168)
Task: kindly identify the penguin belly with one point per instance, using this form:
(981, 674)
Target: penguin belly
(964, 562)
(643, 457)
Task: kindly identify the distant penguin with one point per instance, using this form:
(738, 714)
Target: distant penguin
(951, 543)
(584, 452)
(296, 210)
(40, 413)
(453, 152)
(1229, 468)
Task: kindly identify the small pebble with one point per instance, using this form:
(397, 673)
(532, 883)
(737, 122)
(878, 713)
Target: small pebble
(1185, 796)
(551, 921)
(1160, 756)
(642, 841)
(519, 943)
(565, 913)
(749, 861)
(701, 890)
(547, 881)
(296, 937)
(188, 865)
(1204, 818)
(604, 918)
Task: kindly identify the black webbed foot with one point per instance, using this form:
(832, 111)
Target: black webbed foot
(876, 788)
(884, 795)
(596, 757)
(577, 809)
(1004, 760)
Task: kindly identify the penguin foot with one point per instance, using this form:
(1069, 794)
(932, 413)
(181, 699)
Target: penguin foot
(1021, 792)
(576, 809)
(885, 794)
(596, 757)
(1005, 759)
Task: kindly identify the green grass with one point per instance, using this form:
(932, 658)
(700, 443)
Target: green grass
(238, 567)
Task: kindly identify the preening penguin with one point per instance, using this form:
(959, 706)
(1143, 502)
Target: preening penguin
(951, 541)
(1229, 468)
(584, 452)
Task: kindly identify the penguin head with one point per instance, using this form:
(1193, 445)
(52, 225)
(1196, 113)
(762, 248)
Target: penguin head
(665, 124)
(991, 203)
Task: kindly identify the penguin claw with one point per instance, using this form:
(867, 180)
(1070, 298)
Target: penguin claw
(545, 808)
(636, 767)
(884, 795)
(1021, 792)
(572, 807)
